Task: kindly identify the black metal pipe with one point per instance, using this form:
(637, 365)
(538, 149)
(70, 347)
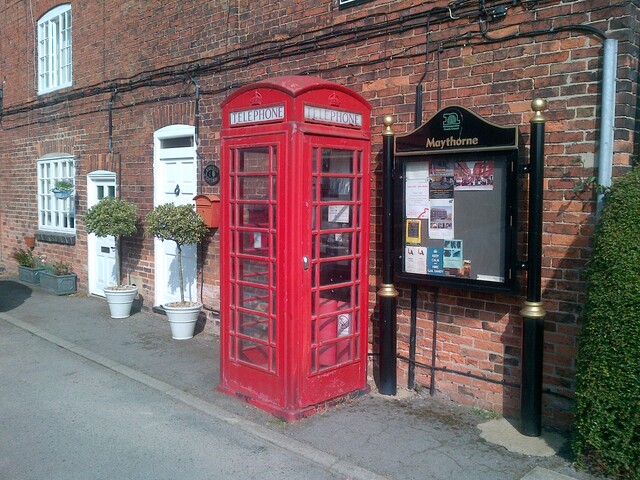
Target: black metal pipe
(464, 374)
(434, 336)
(533, 312)
(411, 377)
(196, 120)
(418, 106)
(387, 292)
(110, 141)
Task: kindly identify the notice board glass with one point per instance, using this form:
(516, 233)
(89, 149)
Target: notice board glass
(455, 211)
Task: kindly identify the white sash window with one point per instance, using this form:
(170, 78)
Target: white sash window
(55, 214)
(54, 49)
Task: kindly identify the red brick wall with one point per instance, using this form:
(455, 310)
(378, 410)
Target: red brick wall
(143, 49)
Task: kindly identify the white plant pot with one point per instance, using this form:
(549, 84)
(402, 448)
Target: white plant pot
(120, 301)
(182, 320)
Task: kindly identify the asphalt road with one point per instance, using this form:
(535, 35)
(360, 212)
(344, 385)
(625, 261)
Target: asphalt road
(65, 417)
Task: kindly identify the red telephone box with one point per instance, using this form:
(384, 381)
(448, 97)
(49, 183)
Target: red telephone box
(294, 244)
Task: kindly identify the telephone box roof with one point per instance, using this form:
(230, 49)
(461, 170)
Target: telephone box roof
(295, 85)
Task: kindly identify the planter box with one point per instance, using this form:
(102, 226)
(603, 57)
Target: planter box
(58, 284)
(30, 275)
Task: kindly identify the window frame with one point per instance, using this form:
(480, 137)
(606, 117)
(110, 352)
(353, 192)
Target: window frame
(55, 49)
(350, 3)
(55, 215)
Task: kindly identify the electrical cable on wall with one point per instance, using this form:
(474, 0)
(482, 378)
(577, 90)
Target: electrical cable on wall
(335, 37)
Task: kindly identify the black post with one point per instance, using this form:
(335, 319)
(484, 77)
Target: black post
(387, 292)
(533, 312)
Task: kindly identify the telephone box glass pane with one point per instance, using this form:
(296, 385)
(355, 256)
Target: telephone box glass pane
(253, 188)
(254, 271)
(335, 245)
(254, 353)
(254, 160)
(253, 298)
(253, 325)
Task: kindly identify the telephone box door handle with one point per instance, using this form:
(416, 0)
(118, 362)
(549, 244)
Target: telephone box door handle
(305, 262)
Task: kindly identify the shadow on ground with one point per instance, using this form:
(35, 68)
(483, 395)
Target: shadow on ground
(12, 294)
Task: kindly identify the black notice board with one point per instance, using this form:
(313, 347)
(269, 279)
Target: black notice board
(455, 218)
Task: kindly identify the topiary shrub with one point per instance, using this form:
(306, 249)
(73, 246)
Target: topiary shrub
(181, 224)
(607, 417)
(112, 217)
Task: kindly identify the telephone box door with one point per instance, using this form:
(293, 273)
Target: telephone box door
(251, 288)
(338, 253)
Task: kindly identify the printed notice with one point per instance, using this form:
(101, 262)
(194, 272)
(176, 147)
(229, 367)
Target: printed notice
(415, 260)
(417, 171)
(413, 232)
(434, 261)
(338, 213)
(452, 254)
(441, 179)
(416, 198)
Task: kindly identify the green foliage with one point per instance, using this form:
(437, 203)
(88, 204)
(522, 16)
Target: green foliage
(63, 186)
(607, 428)
(112, 217)
(59, 268)
(587, 183)
(25, 258)
(180, 223)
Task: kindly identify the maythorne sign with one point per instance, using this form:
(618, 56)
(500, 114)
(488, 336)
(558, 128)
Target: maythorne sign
(455, 129)
(452, 142)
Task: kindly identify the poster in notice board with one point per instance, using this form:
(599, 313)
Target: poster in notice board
(455, 223)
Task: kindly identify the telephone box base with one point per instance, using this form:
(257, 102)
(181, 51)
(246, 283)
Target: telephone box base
(295, 414)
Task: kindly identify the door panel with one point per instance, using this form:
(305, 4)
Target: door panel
(101, 250)
(175, 182)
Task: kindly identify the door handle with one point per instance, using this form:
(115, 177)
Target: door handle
(177, 189)
(305, 262)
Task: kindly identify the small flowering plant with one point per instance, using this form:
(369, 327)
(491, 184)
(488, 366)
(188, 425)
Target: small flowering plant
(26, 258)
(59, 268)
(63, 186)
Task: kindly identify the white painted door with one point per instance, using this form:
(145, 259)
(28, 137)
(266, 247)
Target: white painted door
(101, 259)
(175, 181)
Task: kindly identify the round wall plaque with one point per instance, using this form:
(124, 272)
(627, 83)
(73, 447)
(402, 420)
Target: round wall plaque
(211, 174)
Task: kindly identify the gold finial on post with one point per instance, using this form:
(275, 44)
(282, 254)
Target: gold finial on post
(538, 105)
(388, 121)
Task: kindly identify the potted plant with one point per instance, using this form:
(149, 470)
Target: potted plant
(114, 217)
(183, 225)
(63, 189)
(29, 265)
(58, 278)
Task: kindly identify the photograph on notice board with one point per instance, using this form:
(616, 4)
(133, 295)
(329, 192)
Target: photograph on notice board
(441, 219)
(474, 175)
(441, 179)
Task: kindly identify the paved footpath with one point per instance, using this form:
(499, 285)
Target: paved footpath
(86, 396)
